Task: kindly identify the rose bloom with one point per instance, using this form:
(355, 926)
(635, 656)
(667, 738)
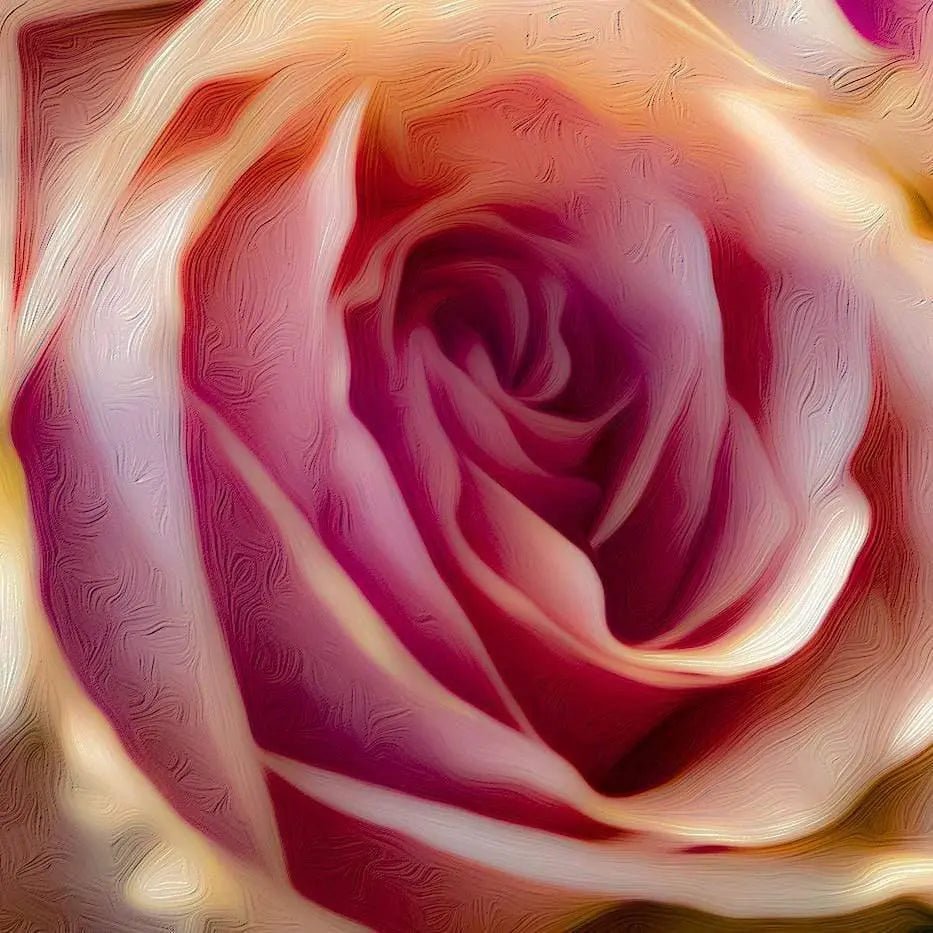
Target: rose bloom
(467, 467)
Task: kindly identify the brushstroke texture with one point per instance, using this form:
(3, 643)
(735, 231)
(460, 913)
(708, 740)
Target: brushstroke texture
(466, 467)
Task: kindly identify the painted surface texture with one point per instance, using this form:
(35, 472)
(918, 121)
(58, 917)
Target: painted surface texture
(466, 466)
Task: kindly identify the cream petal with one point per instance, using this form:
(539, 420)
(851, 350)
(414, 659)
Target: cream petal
(835, 882)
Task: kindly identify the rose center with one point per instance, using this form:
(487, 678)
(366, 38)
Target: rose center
(493, 349)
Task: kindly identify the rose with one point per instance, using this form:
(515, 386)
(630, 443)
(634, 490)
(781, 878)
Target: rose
(325, 501)
(472, 490)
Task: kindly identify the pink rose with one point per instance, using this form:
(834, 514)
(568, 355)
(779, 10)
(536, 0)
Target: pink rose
(468, 467)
